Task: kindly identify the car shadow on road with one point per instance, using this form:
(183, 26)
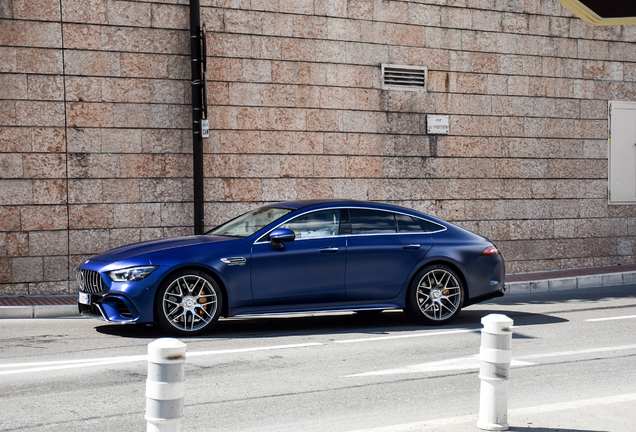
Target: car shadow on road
(520, 318)
(325, 324)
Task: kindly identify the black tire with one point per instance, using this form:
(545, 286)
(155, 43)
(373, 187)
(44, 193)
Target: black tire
(188, 303)
(436, 295)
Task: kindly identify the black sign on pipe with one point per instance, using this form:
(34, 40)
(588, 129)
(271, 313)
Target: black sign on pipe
(603, 12)
(204, 62)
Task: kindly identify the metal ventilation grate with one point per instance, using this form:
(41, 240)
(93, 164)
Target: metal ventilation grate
(398, 77)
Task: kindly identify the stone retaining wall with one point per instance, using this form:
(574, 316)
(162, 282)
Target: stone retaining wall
(95, 140)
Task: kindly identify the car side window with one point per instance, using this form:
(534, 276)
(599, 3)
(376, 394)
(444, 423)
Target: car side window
(323, 223)
(371, 222)
(429, 226)
(407, 224)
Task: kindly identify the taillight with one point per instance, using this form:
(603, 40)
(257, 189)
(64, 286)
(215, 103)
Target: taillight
(492, 250)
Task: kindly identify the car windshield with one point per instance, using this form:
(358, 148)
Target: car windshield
(250, 222)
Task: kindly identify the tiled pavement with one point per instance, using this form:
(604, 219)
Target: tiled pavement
(571, 279)
(38, 306)
(65, 305)
(58, 300)
(556, 274)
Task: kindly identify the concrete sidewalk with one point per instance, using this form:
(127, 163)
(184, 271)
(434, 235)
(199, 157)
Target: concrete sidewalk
(523, 283)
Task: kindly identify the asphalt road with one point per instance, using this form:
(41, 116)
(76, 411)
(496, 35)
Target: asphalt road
(330, 372)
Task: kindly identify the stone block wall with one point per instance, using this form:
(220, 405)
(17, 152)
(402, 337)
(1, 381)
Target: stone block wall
(95, 117)
(95, 140)
(299, 112)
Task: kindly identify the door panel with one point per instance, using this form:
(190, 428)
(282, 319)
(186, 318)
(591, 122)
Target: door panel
(378, 265)
(305, 271)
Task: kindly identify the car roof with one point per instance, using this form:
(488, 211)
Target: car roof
(299, 204)
(314, 202)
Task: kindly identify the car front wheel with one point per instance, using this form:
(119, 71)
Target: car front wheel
(188, 303)
(435, 296)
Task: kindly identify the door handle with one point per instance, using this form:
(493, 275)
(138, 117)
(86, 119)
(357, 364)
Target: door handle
(329, 249)
(411, 246)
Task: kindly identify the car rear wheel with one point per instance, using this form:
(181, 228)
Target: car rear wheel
(188, 303)
(435, 296)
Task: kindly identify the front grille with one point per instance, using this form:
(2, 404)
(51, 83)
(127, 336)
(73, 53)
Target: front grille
(89, 281)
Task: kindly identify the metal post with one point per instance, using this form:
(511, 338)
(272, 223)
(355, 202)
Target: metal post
(495, 356)
(197, 114)
(165, 387)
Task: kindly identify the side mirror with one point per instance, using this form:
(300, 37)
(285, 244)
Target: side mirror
(280, 235)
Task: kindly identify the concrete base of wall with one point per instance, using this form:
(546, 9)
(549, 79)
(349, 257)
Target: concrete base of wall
(568, 283)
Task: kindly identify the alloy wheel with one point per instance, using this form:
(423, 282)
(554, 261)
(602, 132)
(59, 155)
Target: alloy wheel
(439, 294)
(190, 303)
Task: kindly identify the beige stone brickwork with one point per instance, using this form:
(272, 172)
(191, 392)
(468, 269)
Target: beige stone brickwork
(95, 118)
(95, 147)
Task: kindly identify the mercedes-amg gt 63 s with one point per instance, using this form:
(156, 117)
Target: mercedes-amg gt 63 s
(304, 256)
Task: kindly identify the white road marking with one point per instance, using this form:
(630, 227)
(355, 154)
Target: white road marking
(577, 352)
(69, 364)
(461, 363)
(410, 335)
(76, 364)
(460, 420)
(472, 362)
(452, 364)
(244, 350)
(59, 362)
(611, 318)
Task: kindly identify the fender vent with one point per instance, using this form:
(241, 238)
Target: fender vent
(397, 77)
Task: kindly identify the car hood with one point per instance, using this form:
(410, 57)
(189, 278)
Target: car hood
(149, 247)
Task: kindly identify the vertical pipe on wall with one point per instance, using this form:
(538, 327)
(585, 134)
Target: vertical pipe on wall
(197, 114)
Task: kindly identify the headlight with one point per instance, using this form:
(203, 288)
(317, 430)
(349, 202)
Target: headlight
(131, 274)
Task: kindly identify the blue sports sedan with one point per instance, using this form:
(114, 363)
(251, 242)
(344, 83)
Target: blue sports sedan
(304, 256)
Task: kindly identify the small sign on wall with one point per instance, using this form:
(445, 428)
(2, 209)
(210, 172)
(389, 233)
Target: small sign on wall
(205, 128)
(437, 124)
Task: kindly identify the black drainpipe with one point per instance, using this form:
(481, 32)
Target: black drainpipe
(198, 114)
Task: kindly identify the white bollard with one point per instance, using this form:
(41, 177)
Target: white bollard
(495, 355)
(165, 387)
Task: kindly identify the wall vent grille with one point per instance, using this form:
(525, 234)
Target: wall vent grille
(399, 77)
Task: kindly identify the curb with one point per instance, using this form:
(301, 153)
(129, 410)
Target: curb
(49, 311)
(570, 283)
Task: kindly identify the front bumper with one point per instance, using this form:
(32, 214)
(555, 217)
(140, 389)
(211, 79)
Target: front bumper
(123, 302)
(109, 307)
